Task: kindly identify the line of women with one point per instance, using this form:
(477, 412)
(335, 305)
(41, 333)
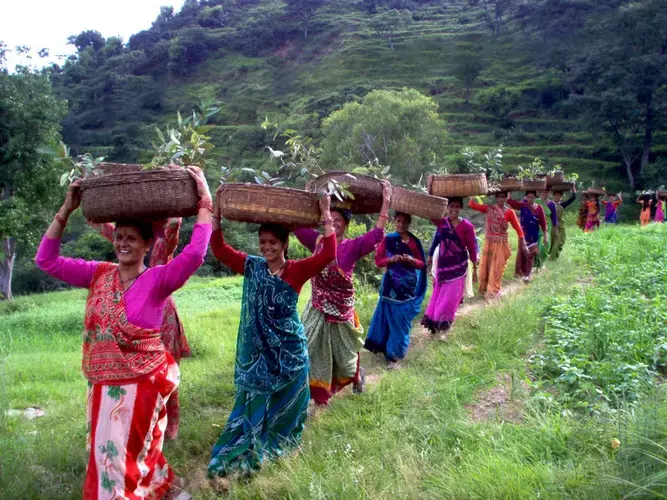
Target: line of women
(131, 349)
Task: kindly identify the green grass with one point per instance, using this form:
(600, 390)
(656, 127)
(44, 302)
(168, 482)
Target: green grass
(410, 436)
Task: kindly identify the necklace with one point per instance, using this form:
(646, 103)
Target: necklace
(278, 271)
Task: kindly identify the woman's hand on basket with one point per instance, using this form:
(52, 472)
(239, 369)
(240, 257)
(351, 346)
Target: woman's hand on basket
(202, 186)
(387, 189)
(73, 198)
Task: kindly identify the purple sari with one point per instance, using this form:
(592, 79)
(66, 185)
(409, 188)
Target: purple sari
(451, 279)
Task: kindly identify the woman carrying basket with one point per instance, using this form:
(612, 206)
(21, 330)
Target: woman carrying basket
(456, 243)
(592, 213)
(558, 234)
(335, 335)
(271, 367)
(645, 216)
(611, 208)
(401, 292)
(173, 334)
(130, 375)
(497, 251)
(533, 222)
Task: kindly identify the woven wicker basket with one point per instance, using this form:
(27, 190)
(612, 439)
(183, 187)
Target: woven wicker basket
(419, 204)
(662, 195)
(457, 185)
(260, 204)
(118, 168)
(367, 191)
(145, 195)
(557, 178)
(509, 184)
(535, 184)
(596, 191)
(563, 187)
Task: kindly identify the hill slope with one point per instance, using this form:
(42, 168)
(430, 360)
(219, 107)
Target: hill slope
(253, 57)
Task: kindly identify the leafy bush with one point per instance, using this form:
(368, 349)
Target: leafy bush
(605, 342)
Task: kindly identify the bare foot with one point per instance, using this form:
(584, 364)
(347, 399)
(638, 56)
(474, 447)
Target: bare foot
(221, 484)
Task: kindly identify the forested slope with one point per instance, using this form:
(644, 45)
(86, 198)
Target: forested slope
(532, 76)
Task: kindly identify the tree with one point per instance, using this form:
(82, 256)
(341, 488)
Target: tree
(467, 67)
(500, 101)
(494, 11)
(305, 10)
(400, 129)
(387, 22)
(623, 80)
(88, 38)
(29, 118)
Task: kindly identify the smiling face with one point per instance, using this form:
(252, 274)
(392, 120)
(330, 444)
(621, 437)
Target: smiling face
(339, 224)
(129, 245)
(271, 247)
(454, 209)
(530, 198)
(402, 224)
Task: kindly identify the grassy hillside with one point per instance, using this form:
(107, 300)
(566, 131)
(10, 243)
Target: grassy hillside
(298, 82)
(502, 410)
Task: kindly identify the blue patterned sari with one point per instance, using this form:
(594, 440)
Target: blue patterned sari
(402, 292)
(271, 376)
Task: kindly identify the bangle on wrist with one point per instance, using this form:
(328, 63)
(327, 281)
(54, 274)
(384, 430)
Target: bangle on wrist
(205, 203)
(61, 220)
(384, 216)
(325, 222)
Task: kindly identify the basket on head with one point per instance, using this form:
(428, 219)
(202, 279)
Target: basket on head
(367, 191)
(419, 204)
(558, 178)
(144, 195)
(596, 191)
(508, 184)
(565, 186)
(457, 185)
(535, 184)
(118, 168)
(662, 195)
(261, 204)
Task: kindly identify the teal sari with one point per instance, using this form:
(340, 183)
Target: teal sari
(271, 376)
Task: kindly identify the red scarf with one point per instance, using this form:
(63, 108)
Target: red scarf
(496, 225)
(333, 293)
(114, 350)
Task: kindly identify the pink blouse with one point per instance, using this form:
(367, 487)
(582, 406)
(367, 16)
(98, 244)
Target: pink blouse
(146, 297)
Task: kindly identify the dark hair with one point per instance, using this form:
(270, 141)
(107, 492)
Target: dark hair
(344, 213)
(558, 192)
(281, 233)
(645, 201)
(531, 192)
(456, 198)
(145, 228)
(408, 217)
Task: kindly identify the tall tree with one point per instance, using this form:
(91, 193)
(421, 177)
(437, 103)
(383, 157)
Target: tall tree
(387, 22)
(623, 80)
(398, 129)
(305, 10)
(494, 12)
(29, 118)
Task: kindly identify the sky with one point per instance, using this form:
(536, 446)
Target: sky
(48, 23)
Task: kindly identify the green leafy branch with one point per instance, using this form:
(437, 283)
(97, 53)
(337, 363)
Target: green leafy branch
(78, 167)
(490, 163)
(187, 143)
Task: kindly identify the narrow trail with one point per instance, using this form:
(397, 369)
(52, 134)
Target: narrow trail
(375, 364)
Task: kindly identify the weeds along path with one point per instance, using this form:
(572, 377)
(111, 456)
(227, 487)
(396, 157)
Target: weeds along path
(375, 364)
